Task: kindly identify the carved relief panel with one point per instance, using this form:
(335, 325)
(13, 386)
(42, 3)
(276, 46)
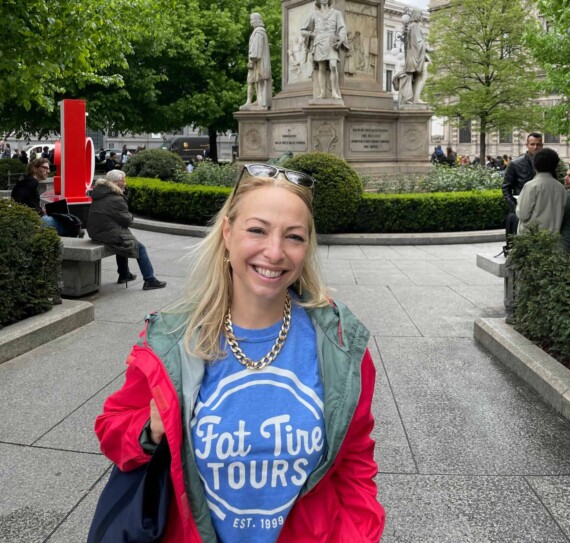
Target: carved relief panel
(362, 60)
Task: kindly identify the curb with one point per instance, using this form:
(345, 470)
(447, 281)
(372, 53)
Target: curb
(430, 238)
(23, 336)
(545, 375)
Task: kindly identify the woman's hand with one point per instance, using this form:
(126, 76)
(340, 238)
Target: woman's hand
(156, 427)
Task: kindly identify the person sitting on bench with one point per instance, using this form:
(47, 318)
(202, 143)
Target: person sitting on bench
(108, 223)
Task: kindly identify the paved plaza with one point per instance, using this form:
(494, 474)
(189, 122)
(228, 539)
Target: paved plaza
(467, 452)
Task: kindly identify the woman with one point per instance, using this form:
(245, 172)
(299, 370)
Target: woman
(108, 222)
(260, 383)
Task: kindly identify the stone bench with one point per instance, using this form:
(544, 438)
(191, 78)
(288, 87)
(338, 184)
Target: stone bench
(81, 266)
(497, 265)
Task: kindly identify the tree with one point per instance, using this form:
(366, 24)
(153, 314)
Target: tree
(48, 45)
(49, 50)
(190, 68)
(550, 46)
(480, 69)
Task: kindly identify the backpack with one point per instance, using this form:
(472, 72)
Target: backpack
(71, 223)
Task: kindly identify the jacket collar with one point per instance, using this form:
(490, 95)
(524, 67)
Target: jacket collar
(110, 185)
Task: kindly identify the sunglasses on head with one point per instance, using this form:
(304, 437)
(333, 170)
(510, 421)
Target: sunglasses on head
(268, 170)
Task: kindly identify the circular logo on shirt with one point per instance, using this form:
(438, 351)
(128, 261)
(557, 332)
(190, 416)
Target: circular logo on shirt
(259, 433)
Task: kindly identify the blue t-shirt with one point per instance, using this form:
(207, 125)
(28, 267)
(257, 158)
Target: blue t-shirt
(258, 434)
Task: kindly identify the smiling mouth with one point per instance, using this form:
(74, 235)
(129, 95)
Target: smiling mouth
(268, 273)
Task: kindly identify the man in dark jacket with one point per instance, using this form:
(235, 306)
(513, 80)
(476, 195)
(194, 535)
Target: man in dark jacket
(108, 223)
(520, 170)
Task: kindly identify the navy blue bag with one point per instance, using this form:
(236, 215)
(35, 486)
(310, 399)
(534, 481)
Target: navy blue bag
(133, 507)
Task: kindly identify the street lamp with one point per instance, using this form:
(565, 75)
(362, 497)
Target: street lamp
(400, 48)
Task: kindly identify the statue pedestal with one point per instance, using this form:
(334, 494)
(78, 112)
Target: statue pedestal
(364, 128)
(368, 139)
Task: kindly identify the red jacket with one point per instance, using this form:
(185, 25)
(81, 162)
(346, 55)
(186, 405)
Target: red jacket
(341, 508)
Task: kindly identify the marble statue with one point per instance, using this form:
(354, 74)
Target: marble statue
(410, 80)
(258, 67)
(325, 34)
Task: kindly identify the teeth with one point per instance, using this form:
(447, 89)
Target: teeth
(268, 273)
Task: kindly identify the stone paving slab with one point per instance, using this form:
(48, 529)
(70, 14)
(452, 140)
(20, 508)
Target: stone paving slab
(392, 451)
(554, 493)
(338, 272)
(31, 507)
(378, 272)
(378, 309)
(75, 431)
(75, 528)
(463, 509)
(132, 304)
(489, 298)
(424, 273)
(465, 414)
(466, 272)
(545, 375)
(438, 310)
(41, 388)
(464, 252)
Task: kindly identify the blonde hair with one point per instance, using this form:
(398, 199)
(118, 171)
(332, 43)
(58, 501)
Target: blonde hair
(209, 290)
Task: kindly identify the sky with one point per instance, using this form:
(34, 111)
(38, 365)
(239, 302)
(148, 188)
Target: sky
(419, 3)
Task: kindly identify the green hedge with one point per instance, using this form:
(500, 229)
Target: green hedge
(176, 202)
(431, 212)
(30, 263)
(154, 163)
(389, 213)
(338, 190)
(542, 311)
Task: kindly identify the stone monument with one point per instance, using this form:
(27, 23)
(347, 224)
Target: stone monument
(332, 96)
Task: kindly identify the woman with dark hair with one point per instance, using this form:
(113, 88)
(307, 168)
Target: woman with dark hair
(543, 198)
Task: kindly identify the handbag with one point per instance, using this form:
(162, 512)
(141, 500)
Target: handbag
(133, 507)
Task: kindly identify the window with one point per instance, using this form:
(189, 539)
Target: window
(505, 137)
(388, 80)
(551, 138)
(465, 132)
(389, 40)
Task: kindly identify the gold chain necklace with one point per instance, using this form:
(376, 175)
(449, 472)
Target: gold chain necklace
(275, 350)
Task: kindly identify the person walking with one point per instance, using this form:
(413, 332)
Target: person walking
(108, 222)
(260, 383)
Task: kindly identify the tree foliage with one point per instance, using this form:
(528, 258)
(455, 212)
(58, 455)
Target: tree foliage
(480, 69)
(550, 46)
(49, 46)
(186, 65)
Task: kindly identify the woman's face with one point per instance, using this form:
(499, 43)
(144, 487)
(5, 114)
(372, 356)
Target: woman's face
(267, 244)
